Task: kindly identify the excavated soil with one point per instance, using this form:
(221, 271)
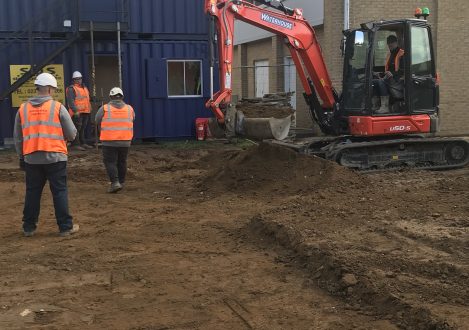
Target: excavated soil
(215, 237)
(264, 111)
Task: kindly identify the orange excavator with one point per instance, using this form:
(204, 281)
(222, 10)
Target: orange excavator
(364, 128)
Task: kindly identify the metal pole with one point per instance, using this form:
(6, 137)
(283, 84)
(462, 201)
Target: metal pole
(93, 81)
(119, 58)
(93, 67)
(30, 47)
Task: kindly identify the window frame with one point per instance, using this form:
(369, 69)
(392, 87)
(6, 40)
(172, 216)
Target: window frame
(428, 51)
(201, 95)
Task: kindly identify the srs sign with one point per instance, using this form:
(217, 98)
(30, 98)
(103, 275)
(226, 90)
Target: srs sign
(28, 89)
(277, 21)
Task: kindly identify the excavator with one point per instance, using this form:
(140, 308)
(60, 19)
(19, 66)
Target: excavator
(360, 130)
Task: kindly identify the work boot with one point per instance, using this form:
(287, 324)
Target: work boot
(115, 187)
(69, 232)
(87, 146)
(384, 105)
(375, 103)
(28, 233)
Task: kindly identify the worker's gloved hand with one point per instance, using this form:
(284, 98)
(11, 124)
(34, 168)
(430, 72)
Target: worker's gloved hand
(387, 75)
(22, 165)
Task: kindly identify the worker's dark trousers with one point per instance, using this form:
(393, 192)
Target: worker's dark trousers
(81, 124)
(115, 161)
(380, 88)
(36, 177)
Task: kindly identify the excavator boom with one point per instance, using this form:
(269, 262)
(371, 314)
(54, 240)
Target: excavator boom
(301, 41)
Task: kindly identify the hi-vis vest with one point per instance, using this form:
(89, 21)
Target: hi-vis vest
(399, 54)
(117, 124)
(82, 99)
(41, 128)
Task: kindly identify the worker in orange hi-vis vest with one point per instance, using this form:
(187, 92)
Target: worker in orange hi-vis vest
(42, 128)
(115, 122)
(78, 101)
(390, 87)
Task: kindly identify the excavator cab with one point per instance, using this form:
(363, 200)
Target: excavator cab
(412, 89)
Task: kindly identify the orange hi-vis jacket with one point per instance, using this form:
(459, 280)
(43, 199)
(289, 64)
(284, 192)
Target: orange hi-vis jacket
(41, 128)
(82, 99)
(399, 54)
(117, 124)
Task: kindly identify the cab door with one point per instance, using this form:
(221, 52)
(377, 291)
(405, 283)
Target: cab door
(423, 87)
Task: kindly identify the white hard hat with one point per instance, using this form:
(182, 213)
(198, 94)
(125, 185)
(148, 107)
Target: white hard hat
(116, 91)
(77, 74)
(46, 79)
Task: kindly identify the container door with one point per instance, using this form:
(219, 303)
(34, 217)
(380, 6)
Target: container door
(107, 76)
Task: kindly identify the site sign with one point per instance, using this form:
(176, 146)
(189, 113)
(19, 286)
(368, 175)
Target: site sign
(28, 89)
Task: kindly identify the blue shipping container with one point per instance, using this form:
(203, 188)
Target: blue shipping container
(177, 34)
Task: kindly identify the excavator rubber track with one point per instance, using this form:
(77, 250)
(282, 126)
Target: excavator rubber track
(436, 153)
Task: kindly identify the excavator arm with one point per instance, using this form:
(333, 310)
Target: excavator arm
(300, 39)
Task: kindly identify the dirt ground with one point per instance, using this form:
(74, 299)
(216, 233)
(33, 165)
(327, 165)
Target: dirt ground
(210, 236)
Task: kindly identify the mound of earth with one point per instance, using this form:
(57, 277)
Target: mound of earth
(275, 170)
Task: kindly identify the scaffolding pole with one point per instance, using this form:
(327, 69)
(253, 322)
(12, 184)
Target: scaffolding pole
(93, 66)
(119, 58)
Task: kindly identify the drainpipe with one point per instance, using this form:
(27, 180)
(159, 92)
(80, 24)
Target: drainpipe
(346, 14)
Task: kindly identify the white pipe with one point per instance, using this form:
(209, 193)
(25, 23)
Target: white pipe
(346, 14)
(211, 83)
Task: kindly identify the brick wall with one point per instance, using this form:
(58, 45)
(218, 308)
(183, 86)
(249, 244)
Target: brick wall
(237, 73)
(453, 65)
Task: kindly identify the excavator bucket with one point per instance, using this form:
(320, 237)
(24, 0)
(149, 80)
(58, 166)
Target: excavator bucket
(263, 128)
(237, 125)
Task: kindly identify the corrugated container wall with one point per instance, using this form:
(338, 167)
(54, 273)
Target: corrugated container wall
(171, 17)
(19, 15)
(149, 16)
(177, 30)
(144, 16)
